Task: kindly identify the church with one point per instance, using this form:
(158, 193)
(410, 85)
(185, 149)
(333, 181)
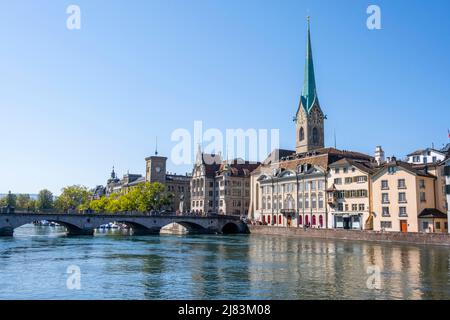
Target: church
(291, 188)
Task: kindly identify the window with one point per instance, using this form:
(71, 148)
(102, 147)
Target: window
(354, 207)
(320, 201)
(422, 184)
(385, 198)
(416, 159)
(348, 180)
(392, 170)
(306, 201)
(338, 181)
(425, 225)
(402, 212)
(385, 212)
(402, 197)
(438, 226)
(336, 170)
(386, 225)
(321, 185)
(361, 207)
(315, 135)
(313, 201)
(423, 197)
(340, 207)
(384, 185)
(361, 179)
(346, 207)
(300, 203)
(434, 161)
(345, 170)
(401, 184)
(301, 134)
(313, 185)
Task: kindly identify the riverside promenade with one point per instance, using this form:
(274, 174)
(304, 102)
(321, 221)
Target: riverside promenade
(441, 239)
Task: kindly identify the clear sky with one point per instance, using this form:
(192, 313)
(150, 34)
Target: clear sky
(73, 103)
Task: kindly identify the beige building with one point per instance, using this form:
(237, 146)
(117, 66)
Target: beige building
(292, 191)
(349, 191)
(178, 185)
(221, 187)
(404, 199)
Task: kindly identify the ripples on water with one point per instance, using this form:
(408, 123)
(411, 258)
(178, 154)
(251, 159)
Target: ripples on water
(33, 265)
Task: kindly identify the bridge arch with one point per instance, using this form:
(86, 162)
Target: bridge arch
(190, 226)
(230, 228)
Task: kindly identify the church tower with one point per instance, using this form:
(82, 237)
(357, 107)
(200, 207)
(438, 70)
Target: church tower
(309, 118)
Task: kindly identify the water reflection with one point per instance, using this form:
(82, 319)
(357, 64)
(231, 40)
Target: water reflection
(116, 265)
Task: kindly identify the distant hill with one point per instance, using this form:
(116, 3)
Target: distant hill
(32, 196)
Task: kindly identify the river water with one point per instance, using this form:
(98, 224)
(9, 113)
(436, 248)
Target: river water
(115, 265)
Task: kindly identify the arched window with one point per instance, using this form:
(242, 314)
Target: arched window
(301, 134)
(306, 220)
(300, 220)
(321, 221)
(314, 220)
(268, 203)
(280, 219)
(263, 203)
(268, 219)
(315, 135)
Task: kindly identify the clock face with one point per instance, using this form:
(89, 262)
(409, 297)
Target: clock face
(158, 169)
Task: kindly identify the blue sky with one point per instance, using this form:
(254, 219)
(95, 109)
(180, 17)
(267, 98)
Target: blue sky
(73, 103)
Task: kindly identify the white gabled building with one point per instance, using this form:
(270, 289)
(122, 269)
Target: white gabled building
(425, 156)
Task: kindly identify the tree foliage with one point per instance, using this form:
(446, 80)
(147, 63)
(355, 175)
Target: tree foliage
(72, 198)
(45, 200)
(142, 198)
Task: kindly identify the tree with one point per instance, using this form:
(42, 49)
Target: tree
(23, 202)
(45, 200)
(72, 198)
(154, 197)
(11, 199)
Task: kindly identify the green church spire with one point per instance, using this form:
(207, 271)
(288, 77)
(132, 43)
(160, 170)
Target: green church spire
(309, 94)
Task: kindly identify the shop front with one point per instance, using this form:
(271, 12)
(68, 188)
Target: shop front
(348, 221)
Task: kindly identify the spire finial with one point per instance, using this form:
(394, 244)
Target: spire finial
(156, 147)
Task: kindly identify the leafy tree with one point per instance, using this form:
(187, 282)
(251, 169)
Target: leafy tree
(11, 199)
(23, 201)
(72, 198)
(45, 200)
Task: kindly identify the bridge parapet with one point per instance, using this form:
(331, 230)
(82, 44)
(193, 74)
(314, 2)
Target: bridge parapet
(85, 224)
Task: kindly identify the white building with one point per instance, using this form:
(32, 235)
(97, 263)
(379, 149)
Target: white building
(426, 156)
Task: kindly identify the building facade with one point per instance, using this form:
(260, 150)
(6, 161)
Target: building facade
(348, 194)
(404, 198)
(219, 186)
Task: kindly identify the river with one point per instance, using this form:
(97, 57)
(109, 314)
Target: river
(116, 265)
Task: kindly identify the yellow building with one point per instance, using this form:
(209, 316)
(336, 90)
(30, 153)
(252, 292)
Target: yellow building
(349, 191)
(404, 199)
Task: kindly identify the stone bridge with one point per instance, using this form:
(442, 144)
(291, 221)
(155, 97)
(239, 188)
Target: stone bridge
(85, 224)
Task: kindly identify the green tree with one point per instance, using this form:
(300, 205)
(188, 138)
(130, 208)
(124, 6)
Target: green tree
(153, 196)
(23, 201)
(72, 198)
(11, 199)
(45, 200)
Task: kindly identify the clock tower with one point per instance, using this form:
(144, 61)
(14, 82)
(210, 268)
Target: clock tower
(155, 169)
(309, 119)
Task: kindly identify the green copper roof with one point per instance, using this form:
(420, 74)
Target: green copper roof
(309, 94)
